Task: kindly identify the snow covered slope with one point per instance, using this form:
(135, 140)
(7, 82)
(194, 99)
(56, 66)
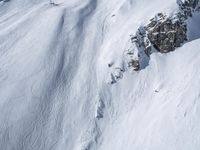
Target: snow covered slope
(54, 79)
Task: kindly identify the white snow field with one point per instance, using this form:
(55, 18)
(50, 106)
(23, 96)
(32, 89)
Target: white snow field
(54, 79)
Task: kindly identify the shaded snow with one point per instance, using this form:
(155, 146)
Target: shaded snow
(54, 72)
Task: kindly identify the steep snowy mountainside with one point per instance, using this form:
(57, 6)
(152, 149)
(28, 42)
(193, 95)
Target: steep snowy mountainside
(55, 91)
(159, 109)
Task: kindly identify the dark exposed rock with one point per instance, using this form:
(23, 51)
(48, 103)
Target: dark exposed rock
(166, 33)
(131, 54)
(186, 7)
(163, 33)
(136, 55)
(143, 42)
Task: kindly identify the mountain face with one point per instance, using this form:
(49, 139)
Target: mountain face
(99, 75)
(163, 33)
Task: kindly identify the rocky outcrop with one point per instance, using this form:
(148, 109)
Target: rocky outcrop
(187, 7)
(116, 74)
(138, 50)
(166, 33)
(131, 55)
(163, 34)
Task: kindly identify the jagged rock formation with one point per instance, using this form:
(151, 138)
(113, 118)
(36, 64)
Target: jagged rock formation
(166, 33)
(132, 55)
(138, 50)
(186, 7)
(163, 33)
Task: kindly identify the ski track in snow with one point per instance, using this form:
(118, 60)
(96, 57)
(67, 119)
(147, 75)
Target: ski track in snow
(54, 72)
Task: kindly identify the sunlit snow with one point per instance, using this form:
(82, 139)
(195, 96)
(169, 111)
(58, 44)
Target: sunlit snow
(54, 79)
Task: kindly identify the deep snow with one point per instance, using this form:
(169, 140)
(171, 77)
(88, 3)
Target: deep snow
(54, 79)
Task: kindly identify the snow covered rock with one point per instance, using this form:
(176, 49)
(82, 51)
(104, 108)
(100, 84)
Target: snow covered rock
(116, 74)
(99, 109)
(187, 7)
(138, 50)
(166, 33)
(131, 55)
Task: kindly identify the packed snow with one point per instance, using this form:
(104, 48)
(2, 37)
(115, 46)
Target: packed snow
(55, 72)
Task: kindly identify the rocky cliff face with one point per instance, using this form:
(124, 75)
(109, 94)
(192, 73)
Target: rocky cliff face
(166, 33)
(163, 33)
(187, 7)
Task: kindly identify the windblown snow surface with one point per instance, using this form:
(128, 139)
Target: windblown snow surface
(54, 78)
